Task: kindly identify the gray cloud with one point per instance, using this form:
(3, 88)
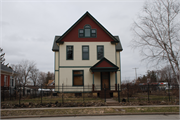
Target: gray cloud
(29, 29)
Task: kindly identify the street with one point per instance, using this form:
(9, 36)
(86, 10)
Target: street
(118, 117)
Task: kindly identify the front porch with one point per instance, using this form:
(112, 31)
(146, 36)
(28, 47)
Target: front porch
(105, 73)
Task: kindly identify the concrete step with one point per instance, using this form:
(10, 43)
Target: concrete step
(111, 102)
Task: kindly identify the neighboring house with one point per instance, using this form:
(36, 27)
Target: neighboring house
(7, 80)
(29, 90)
(50, 83)
(87, 55)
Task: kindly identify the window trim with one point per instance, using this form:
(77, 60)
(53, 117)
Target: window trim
(97, 51)
(84, 32)
(67, 52)
(77, 75)
(88, 51)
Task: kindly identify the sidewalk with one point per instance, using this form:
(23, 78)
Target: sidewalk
(103, 114)
(90, 107)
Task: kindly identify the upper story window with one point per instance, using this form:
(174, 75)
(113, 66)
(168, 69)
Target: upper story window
(85, 52)
(87, 32)
(100, 52)
(69, 52)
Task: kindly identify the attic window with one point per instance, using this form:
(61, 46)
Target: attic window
(87, 32)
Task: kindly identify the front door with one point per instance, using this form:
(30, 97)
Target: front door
(105, 80)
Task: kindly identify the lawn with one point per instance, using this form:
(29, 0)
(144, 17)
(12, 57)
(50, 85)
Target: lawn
(52, 99)
(143, 97)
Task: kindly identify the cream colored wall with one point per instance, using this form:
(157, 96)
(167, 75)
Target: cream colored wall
(56, 61)
(65, 74)
(56, 69)
(97, 81)
(56, 79)
(66, 79)
(118, 58)
(109, 53)
(118, 64)
(112, 80)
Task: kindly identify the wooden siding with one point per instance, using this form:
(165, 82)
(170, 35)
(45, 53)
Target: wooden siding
(73, 35)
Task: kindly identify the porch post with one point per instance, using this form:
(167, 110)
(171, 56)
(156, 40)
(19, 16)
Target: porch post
(93, 78)
(93, 83)
(115, 81)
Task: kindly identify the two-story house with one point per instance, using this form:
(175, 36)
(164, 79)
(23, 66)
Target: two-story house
(87, 55)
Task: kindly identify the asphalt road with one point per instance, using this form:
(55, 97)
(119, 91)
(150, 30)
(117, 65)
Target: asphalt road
(118, 117)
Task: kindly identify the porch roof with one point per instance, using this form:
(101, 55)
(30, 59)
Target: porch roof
(104, 65)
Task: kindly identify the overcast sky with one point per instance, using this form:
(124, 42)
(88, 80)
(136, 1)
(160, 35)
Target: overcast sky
(29, 27)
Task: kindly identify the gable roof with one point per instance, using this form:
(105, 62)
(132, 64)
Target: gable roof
(87, 14)
(4, 68)
(50, 82)
(104, 65)
(118, 46)
(55, 46)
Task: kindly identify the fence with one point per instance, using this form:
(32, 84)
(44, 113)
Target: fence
(149, 93)
(84, 94)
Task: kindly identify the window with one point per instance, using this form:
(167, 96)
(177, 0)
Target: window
(85, 52)
(12, 81)
(69, 50)
(93, 33)
(87, 32)
(5, 81)
(81, 33)
(100, 52)
(78, 77)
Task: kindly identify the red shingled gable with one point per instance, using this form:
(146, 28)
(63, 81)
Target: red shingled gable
(104, 64)
(72, 36)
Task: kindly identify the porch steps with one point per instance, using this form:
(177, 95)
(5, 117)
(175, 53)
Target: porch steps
(102, 94)
(111, 102)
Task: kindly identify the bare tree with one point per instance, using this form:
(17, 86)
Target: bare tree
(49, 76)
(42, 78)
(2, 59)
(157, 33)
(23, 69)
(166, 75)
(34, 75)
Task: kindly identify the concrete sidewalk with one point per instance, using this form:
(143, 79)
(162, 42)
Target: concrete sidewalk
(73, 115)
(90, 107)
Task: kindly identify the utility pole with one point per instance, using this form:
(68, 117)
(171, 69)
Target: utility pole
(135, 72)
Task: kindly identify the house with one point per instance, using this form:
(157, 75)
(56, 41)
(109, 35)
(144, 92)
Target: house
(87, 54)
(7, 80)
(50, 83)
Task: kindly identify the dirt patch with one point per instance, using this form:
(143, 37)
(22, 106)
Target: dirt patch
(56, 104)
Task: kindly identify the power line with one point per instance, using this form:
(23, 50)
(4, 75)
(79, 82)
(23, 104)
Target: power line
(135, 72)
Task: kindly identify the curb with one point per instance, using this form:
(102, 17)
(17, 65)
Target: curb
(74, 115)
(88, 107)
